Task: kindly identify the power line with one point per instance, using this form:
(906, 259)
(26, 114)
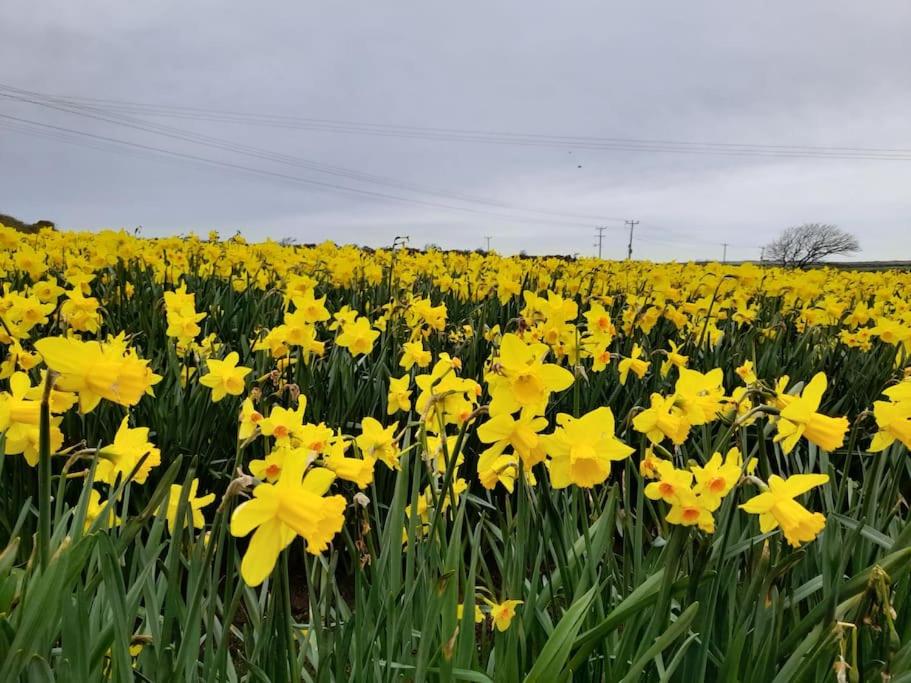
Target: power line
(133, 149)
(283, 176)
(227, 145)
(104, 146)
(488, 136)
(287, 177)
(111, 145)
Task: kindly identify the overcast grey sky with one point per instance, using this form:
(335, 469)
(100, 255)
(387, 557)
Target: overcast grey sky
(822, 73)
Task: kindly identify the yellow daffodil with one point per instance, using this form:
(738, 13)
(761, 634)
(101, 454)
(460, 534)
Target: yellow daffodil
(634, 364)
(699, 395)
(776, 507)
(96, 509)
(294, 506)
(478, 614)
(893, 418)
(357, 336)
(582, 449)
(662, 420)
(96, 371)
(249, 420)
(648, 466)
(119, 458)
(309, 308)
(357, 470)
(746, 373)
(399, 396)
(225, 377)
(716, 478)
(194, 506)
(521, 434)
(600, 326)
(413, 353)
(283, 423)
(673, 359)
(690, 509)
(800, 419)
(670, 482)
(270, 468)
(376, 441)
(20, 410)
(502, 613)
(496, 467)
(522, 379)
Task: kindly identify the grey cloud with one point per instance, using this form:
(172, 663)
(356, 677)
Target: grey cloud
(810, 73)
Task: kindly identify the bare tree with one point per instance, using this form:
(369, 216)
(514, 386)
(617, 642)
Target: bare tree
(809, 243)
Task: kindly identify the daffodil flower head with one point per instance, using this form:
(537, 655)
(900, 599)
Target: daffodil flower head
(378, 442)
(502, 613)
(399, 396)
(357, 336)
(194, 505)
(97, 371)
(521, 434)
(716, 478)
(776, 507)
(126, 453)
(497, 467)
(662, 420)
(690, 509)
(699, 395)
(278, 513)
(524, 380)
(225, 377)
(634, 363)
(582, 449)
(799, 419)
(670, 482)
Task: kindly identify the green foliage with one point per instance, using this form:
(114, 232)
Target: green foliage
(610, 591)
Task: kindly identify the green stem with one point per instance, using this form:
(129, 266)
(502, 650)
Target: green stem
(44, 473)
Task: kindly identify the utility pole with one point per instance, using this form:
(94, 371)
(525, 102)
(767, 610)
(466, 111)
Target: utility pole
(629, 248)
(487, 237)
(724, 258)
(762, 254)
(600, 230)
